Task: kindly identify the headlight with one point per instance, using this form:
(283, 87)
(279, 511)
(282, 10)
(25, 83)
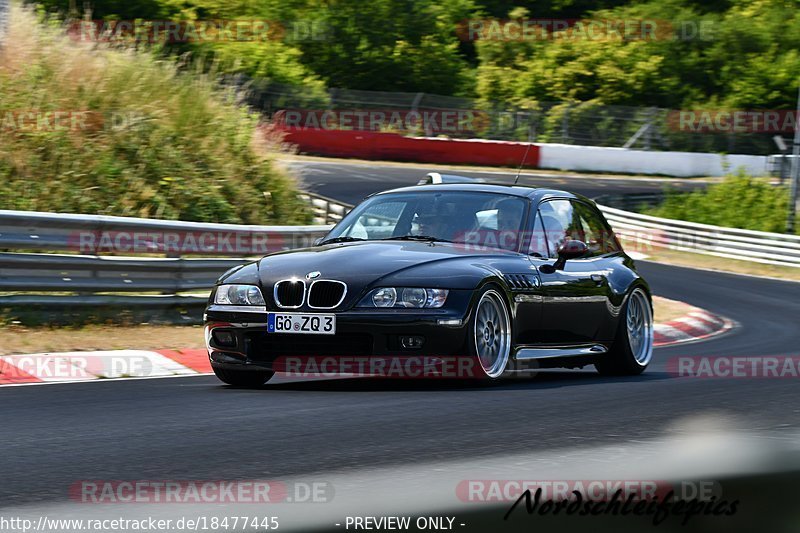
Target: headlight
(239, 295)
(408, 297)
(384, 297)
(413, 297)
(435, 298)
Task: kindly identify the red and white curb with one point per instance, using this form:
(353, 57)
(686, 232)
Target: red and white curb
(113, 364)
(697, 325)
(73, 367)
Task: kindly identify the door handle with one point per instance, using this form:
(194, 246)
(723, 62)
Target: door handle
(598, 278)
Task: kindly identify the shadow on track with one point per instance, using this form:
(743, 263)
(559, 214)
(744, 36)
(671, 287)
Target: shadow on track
(542, 380)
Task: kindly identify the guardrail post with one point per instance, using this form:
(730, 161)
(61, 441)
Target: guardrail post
(565, 124)
(179, 277)
(98, 231)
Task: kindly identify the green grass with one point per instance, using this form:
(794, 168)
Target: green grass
(162, 140)
(739, 201)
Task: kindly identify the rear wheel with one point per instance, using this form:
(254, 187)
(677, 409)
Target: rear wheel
(633, 346)
(243, 378)
(491, 334)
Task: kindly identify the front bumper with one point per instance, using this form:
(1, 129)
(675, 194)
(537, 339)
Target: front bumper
(360, 333)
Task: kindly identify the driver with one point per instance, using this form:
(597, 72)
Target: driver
(509, 220)
(433, 221)
(431, 225)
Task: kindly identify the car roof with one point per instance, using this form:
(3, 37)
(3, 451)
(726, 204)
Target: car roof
(522, 191)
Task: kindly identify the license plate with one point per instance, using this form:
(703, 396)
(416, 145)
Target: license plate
(301, 323)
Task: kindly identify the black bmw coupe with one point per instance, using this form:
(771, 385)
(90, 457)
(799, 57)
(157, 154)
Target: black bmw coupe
(462, 279)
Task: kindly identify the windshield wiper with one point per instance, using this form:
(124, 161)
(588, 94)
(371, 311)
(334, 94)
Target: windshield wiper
(342, 239)
(427, 238)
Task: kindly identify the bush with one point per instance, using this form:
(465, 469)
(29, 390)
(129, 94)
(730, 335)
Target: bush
(740, 201)
(150, 140)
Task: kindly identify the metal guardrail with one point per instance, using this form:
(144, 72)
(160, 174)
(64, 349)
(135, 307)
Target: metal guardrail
(120, 255)
(82, 273)
(29, 230)
(733, 243)
(326, 210)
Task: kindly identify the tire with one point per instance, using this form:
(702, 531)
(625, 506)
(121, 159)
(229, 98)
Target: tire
(490, 335)
(632, 349)
(243, 378)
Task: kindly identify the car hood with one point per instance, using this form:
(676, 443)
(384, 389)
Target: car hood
(395, 263)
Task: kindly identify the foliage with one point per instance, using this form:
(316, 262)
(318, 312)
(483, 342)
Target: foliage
(742, 56)
(706, 53)
(740, 201)
(151, 140)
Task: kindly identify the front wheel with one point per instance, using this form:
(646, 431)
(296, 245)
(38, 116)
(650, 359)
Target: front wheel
(243, 378)
(490, 334)
(633, 346)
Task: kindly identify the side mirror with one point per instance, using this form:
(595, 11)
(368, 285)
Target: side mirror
(569, 250)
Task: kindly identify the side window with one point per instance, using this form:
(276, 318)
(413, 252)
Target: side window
(596, 233)
(560, 224)
(538, 246)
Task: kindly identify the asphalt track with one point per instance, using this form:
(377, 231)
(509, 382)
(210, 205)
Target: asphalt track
(351, 182)
(196, 428)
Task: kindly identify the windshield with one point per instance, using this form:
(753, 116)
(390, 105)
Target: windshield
(461, 217)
